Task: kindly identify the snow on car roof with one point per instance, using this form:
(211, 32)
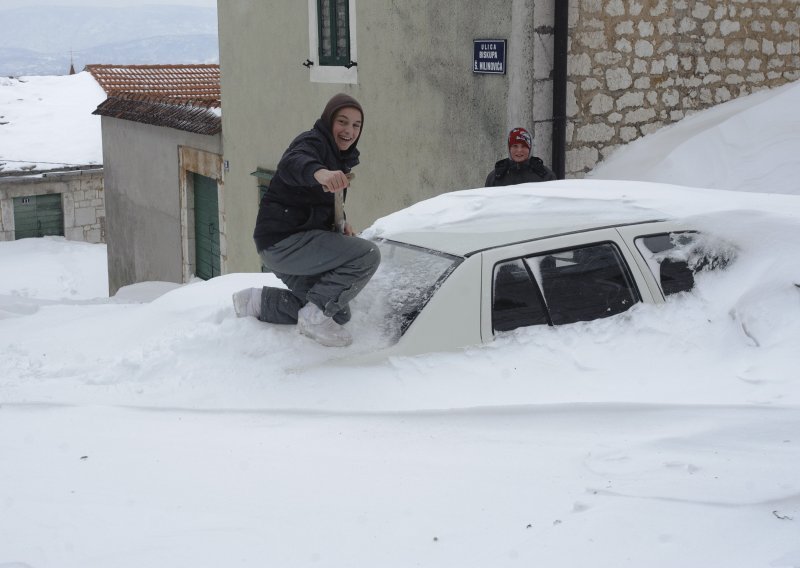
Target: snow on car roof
(463, 222)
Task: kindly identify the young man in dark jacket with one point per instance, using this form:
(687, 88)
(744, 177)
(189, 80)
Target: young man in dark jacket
(520, 166)
(296, 236)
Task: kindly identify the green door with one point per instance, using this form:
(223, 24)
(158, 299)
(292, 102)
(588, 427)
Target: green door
(206, 227)
(38, 216)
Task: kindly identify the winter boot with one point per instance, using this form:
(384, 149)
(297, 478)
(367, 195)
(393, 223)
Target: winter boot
(247, 302)
(312, 322)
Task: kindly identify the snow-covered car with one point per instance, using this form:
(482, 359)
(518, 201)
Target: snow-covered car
(464, 274)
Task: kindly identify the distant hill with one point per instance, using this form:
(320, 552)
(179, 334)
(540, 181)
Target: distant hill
(37, 40)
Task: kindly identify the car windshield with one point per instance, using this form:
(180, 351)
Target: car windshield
(406, 279)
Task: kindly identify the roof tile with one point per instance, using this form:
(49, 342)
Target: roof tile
(196, 85)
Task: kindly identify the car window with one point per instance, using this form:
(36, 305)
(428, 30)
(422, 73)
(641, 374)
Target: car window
(584, 284)
(675, 258)
(516, 301)
(567, 286)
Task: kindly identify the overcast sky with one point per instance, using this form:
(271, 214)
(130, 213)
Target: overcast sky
(110, 3)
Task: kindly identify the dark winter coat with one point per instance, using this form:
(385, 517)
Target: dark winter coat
(509, 172)
(295, 201)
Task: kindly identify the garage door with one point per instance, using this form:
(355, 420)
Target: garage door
(38, 216)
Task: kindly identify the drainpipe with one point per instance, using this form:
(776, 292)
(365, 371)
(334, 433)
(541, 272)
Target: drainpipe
(560, 48)
(519, 105)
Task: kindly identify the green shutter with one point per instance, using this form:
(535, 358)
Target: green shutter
(38, 216)
(334, 32)
(206, 227)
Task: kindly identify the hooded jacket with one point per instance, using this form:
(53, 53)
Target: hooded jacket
(509, 172)
(295, 201)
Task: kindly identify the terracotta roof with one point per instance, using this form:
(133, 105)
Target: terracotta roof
(196, 85)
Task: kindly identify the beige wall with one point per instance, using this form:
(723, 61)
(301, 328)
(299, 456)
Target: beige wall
(146, 206)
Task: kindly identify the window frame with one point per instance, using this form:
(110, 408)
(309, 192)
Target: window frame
(536, 278)
(632, 259)
(331, 71)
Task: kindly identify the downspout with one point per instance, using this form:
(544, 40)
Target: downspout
(519, 104)
(560, 48)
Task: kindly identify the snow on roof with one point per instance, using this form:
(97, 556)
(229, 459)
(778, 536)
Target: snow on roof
(196, 85)
(46, 122)
(184, 97)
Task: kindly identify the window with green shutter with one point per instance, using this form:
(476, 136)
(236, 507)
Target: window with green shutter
(334, 32)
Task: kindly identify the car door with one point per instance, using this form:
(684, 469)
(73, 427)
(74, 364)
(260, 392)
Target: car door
(559, 280)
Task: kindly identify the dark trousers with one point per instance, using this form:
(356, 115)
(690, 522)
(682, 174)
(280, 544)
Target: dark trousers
(323, 267)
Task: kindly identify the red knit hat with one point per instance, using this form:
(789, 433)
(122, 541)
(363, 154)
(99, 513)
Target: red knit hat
(519, 136)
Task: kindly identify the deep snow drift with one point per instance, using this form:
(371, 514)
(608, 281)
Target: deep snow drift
(155, 428)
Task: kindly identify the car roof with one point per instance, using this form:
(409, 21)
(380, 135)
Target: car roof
(463, 223)
(474, 237)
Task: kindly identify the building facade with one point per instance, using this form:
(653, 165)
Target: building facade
(584, 76)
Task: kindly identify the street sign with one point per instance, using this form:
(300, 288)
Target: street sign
(489, 56)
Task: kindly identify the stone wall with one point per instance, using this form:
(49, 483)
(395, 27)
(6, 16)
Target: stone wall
(82, 201)
(637, 65)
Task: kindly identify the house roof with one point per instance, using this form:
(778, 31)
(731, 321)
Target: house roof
(196, 85)
(184, 97)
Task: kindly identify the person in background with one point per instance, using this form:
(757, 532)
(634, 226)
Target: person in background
(520, 166)
(296, 234)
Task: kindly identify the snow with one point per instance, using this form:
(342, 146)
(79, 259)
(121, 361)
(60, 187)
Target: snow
(747, 144)
(46, 122)
(155, 428)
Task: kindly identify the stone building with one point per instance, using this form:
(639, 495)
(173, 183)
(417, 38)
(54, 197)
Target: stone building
(68, 202)
(638, 65)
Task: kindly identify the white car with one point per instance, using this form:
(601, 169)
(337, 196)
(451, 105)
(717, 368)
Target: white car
(465, 279)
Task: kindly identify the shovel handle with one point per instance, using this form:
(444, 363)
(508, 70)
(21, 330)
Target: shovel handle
(338, 207)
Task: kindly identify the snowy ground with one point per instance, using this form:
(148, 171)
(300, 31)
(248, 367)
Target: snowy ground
(156, 429)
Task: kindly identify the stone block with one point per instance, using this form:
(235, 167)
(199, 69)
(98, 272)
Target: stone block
(714, 44)
(722, 95)
(601, 104)
(605, 58)
(85, 216)
(615, 8)
(671, 97)
(701, 10)
(618, 78)
(646, 29)
(598, 132)
(628, 133)
(624, 28)
(590, 84)
(581, 159)
(623, 45)
(640, 115)
(580, 64)
(644, 48)
(630, 99)
(650, 127)
(659, 9)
